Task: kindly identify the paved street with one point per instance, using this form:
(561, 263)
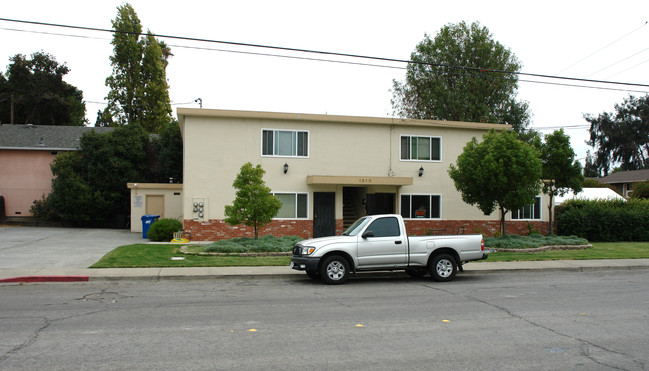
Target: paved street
(499, 321)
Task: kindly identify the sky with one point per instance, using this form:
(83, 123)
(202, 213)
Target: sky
(599, 40)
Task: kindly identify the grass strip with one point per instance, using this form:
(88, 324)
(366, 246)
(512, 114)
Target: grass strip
(160, 255)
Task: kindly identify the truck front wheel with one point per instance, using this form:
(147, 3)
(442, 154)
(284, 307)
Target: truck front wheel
(334, 270)
(443, 268)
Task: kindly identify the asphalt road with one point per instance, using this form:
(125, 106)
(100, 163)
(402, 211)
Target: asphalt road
(542, 321)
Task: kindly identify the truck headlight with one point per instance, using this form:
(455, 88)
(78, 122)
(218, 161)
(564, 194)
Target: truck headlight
(307, 250)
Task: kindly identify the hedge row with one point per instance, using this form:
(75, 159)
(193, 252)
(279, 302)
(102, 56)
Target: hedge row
(605, 220)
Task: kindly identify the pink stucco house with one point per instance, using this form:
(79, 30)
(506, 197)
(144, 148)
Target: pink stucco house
(26, 152)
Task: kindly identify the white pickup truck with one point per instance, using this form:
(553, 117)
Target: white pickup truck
(380, 242)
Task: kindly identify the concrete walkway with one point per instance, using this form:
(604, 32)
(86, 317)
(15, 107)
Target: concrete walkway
(41, 254)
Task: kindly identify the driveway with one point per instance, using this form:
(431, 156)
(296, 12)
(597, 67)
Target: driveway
(44, 247)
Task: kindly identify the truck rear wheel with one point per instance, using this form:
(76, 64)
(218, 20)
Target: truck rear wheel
(334, 270)
(443, 268)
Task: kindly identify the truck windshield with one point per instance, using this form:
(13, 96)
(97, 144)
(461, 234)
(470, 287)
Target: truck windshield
(356, 228)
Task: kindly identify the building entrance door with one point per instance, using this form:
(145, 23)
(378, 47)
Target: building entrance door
(155, 205)
(324, 216)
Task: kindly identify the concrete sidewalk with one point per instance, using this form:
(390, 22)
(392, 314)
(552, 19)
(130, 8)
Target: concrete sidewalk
(157, 274)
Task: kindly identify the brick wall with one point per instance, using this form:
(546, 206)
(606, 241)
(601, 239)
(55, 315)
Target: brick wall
(486, 227)
(214, 230)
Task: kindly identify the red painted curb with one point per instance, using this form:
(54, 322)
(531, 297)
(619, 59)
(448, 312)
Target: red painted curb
(46, 279)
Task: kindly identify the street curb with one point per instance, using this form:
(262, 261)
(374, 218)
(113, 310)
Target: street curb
(284, 272)
(386, 274)
(31, 279)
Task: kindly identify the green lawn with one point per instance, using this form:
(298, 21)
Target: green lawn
(159, 255)
(600, 250)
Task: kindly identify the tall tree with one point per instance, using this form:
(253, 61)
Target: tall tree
(156, 107)
(139, 93)
(621, 137)
(561, 172)
(501, 172)
(254, 205)
(33, 92)
(449, 79)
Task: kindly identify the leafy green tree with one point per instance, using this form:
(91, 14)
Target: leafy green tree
(139, 93)
(621, 137)
(254, 205)
(449, 79)
(590, 168)
(156, 106)
(500, 172)
(165, 155)
(33, 92)
(640, 190)
(89, 187)
(561, 172)
(170, 157)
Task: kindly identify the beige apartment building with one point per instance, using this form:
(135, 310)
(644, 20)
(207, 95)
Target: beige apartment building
(329, 170)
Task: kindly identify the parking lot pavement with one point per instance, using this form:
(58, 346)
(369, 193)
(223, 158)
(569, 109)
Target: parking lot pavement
(46, 247)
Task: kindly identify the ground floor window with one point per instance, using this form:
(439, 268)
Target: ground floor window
(294, 205)
(529, 212)
(421, 206)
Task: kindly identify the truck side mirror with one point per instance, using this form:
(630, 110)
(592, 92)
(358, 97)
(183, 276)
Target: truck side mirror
(368, 234)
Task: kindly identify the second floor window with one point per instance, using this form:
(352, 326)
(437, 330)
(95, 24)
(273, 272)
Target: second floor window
(289, 143)
(421, 148)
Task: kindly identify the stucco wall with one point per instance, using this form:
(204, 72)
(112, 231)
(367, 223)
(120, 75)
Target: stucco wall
(25, 176)
(217, 144)
(173, 200)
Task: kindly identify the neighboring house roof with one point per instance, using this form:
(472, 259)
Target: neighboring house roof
(589, 194)
(44, 137)
(631, 176)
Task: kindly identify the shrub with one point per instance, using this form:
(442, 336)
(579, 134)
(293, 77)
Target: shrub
(601, 220)
(164, 229)
(248, 244)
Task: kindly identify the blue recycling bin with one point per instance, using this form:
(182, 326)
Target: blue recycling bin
(147, 220)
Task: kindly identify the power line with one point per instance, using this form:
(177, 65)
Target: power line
(331, 53)
(599, 50)
(343, 62)
(618, 62)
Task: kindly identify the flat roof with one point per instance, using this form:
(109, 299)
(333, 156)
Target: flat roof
(216, 113)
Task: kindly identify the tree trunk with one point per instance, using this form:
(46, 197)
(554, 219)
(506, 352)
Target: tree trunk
(503, 232)
(550, 214)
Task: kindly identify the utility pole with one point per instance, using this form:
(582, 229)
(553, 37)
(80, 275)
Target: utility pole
(11, 121)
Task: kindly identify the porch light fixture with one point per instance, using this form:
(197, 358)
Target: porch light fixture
(285, 168)
(421, 171)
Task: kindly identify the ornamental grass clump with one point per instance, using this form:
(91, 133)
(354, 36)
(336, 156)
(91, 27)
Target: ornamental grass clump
(250, 245)
(532, 241)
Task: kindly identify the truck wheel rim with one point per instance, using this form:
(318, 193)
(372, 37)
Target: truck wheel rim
(335, 270)
(444, 268)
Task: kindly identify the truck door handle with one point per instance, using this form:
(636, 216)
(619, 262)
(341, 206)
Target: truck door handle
(397, 242)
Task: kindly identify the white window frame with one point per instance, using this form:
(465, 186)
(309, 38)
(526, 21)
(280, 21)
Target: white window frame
(296, 132)
(519, 212)
(430, 195)
(296, 204)
(410, 136)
